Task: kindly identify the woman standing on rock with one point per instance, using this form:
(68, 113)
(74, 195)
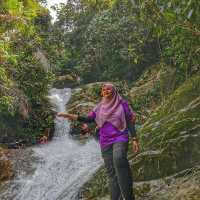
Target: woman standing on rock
(115, 119)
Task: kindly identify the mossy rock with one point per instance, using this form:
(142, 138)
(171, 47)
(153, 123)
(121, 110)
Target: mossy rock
(181, 98)
(179, 154)
(173, 132)
(64, 81)
(155, 84)
(184, 187)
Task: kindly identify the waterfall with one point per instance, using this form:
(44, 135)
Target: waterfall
(64, 164)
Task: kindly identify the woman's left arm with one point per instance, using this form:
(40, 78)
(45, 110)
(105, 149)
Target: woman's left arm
(130, 120)
(133, 136)
(131, 128)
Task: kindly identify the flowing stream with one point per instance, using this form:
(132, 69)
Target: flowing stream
(63, 165)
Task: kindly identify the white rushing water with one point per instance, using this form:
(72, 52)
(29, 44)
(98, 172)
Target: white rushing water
(65, 163)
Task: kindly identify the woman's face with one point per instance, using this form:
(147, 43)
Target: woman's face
(107, 92)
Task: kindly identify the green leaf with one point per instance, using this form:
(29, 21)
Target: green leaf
(170, 16)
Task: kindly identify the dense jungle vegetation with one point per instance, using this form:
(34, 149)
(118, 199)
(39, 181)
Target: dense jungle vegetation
(91, 40)
(149, 48)
(24, 81)
(118, 39)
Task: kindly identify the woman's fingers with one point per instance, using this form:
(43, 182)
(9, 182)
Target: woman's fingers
(60, 114)
(68, 116)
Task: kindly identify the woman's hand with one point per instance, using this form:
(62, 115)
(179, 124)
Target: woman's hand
(67, 115)
(135, 146)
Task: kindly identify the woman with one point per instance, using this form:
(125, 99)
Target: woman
(114, 119)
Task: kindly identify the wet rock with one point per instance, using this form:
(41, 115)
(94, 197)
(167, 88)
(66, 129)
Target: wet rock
(181, 186)
(6, 171)
(64, 81)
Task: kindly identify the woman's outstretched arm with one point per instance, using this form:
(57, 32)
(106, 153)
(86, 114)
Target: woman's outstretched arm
(130, 119)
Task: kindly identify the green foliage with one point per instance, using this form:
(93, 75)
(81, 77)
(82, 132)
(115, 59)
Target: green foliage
(6, 104)
(24, 81)
(180, 98)
(11, 6)
(178, 116)
(33, 79)
(176, 25)
(105, 40)
(3, 76)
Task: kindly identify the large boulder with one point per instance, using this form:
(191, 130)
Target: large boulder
(180, 186)
(63, 81)
(170, 139)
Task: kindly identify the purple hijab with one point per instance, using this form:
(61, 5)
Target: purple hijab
(111, 111)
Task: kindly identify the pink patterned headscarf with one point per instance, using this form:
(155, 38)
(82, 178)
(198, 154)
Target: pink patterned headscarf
(111, 111)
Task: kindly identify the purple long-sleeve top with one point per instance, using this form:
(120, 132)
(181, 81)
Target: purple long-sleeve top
(109, 134)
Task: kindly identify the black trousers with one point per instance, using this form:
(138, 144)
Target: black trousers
(118, 170)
